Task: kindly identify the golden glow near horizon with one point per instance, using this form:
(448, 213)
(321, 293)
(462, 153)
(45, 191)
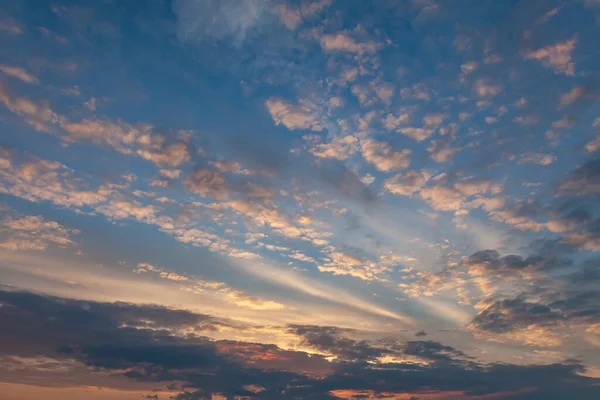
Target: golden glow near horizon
(223, 199)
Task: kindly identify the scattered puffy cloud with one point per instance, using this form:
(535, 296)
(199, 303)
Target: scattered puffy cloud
(367, 111)
(468, 67)
(173, 154)
(537, 158)
(204, 183)
(383, 157)
(556, 56)
(342, 42)
(292, 16)
(205, 20)
(593, 145)
(443, 198)
(419, 134)
(39, 115)
(292, 116)
(19, 73)
(339, 148)
(485, 88)
(392, 122)
(407, 183)
(34, 233)
(11, 26)
(118, 134)
(573, 95)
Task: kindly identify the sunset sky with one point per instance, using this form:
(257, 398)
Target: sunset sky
(307, 199)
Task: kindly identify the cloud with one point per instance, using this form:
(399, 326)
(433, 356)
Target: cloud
(406, 184)
(11, 26)
(585, 179)
(341, 42)
(121, 207)
(593, 145)
(207, 183)
(468, 67)
(39, 115)
(173, 154)
(572, 96)
(556, 56)
(119, 134)
(339, 148)
(155, 344)
(392, 122)
(292, 116)
(586, 239)
(512, 315)
(19, 73)
(292, 16)
(34, 233)
(419, 134)
(537, 158)
(434, 120)
(203, 20)
(39, 180)
(340, 263)
(231, 167)
(443, 198)
(383, 157)
(484, 88)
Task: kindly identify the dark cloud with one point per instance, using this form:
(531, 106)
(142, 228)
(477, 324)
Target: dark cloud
(49, 323)
(346, 183)
(430, 350)
(507, 315)
(331, 340)
(551, 309)
(490, 262)
(152, 349)
(589, 273)
(585, 179)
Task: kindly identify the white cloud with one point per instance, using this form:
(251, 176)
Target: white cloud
(419, 134)
(292, 16)
(173, 154)
(343, 42)
(537, 158)
(571, 96)
(119, 134)
(19, 73)
(39, 115)
(434, 119)
(593, 145)
(468, 67)
(443, 198)
(556, 56)
(201, 20)
(391, 122)
(340, 148)
(292, 116)
(484, 88)
(207, 183)
(383, 157)
(406, 183)
(34, 233)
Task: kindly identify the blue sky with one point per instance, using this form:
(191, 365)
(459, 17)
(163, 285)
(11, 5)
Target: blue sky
(299, 191)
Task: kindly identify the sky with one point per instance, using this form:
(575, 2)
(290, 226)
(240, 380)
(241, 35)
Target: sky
(303, 199)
